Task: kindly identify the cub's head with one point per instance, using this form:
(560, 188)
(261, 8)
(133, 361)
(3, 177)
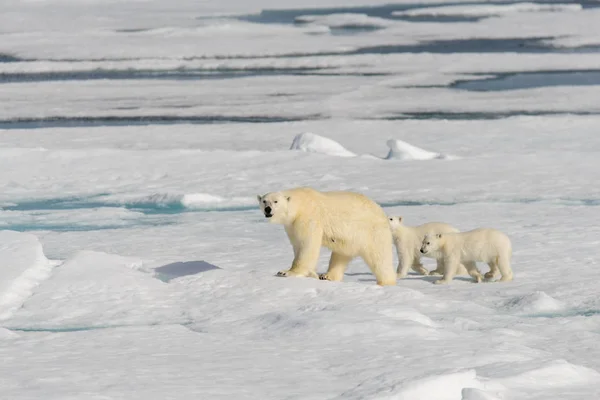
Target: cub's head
(431, 243)
(275, 207)
(395, 222)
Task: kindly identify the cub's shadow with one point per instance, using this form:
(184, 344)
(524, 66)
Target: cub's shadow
(182, 268)
(411, 276)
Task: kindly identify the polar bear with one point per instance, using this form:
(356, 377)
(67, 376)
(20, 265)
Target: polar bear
(349, 224)
(483, 244)
(408, 240)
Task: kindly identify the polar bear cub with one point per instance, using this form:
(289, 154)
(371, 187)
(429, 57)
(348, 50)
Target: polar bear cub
(408, 240)
(483, 244)
(349, 224)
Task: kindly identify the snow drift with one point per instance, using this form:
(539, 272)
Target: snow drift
(23, 266)
(311, 143)
(538, 302)
(400, 150)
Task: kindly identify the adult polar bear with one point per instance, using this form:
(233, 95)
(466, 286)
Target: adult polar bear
(349, 224)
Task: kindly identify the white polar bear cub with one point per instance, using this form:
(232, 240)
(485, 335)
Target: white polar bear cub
(483, 244)
(408, 240)
(349, 224)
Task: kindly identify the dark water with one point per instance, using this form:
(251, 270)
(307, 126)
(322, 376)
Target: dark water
(162, 213)
(385, 11)
(70, 122)
(530, 80)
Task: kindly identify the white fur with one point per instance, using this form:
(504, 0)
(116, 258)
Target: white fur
(408, 240)
(484, 244)
(349, 224)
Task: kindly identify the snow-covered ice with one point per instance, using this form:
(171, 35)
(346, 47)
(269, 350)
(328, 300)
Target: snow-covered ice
(135, 136)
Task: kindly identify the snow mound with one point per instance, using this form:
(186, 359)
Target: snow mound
(536, 302)
(477, 394)
(409, 315)
(95, 290)
(311, 143)
(557, 373)
(488, 10)
(23, 266)
(345, 21)
(400, 150)
(447, 386)
(439, 387)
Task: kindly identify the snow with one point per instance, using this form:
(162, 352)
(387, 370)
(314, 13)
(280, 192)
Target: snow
(135, 136)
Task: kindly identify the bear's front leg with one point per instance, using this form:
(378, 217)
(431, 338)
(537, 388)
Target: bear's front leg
(450, 269)
(306, 255)
(473, 271)
(439, 270)
(289, 272)
(418, 267)
(405, 260)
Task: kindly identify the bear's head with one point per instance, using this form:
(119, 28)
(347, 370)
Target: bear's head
(395, 222)
(431, 243)
(275, 207)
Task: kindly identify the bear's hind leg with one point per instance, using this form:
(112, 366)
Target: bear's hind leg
(492, 272)
(504, 267)
(381, 263)
(337, 266)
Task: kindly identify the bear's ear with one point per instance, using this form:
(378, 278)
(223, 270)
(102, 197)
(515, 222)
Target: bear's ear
(288, 198)
(259, 197)
(399, 219)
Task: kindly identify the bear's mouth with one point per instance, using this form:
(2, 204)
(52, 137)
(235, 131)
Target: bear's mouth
(268, 215)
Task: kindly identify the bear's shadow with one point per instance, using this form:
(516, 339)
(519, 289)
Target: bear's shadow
(182, 268)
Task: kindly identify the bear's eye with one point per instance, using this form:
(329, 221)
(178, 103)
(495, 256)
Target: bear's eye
(428, 242)
(264, 202)
(275, 202)
(391, 219)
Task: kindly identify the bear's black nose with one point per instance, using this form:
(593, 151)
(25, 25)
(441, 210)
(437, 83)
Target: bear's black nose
(422, 251)
(268, 210)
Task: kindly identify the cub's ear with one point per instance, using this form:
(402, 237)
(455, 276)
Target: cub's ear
(288, 198)
(399, 219)
(259, 197)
